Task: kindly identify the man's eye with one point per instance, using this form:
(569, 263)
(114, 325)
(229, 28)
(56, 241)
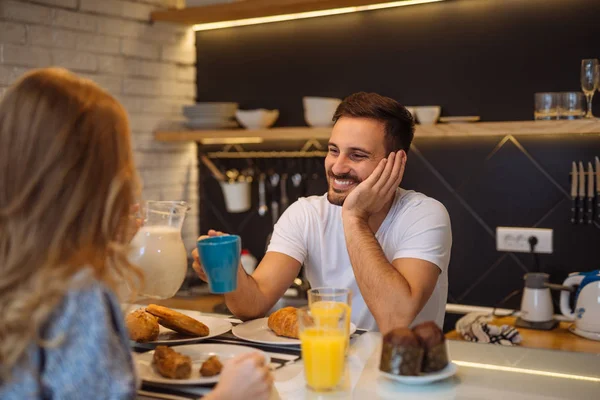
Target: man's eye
(359, 156)
(332, 150)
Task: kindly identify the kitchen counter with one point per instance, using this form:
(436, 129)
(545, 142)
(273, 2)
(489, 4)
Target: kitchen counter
(559, 338)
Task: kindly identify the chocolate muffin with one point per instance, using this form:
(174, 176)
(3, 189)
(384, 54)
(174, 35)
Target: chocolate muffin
(434, 343)
(402, 353)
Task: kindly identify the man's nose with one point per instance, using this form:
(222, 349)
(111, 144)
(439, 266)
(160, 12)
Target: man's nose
(341, 165)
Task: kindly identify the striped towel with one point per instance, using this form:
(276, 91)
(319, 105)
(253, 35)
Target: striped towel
(476, 327)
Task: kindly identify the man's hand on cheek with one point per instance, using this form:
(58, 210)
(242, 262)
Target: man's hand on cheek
(371, 195)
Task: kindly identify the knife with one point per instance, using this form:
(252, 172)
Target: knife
(574, 193)
(590, 194)
(581, 193)
(598, 189)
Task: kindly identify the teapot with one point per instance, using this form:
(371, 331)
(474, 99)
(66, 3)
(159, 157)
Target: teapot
(158, 249)
(587, 303)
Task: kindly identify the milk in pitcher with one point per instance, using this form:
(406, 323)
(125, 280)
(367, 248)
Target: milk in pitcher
(160, 253)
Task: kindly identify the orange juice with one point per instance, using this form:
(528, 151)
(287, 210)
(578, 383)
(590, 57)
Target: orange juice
(327, 312)
(323, 354)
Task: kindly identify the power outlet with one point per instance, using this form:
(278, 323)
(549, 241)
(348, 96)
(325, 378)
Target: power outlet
(517, 239)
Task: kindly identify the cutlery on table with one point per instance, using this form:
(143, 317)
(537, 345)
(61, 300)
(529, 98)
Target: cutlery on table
(574, 206)
(581, 193)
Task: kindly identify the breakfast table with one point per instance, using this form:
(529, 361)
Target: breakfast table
(484, 371)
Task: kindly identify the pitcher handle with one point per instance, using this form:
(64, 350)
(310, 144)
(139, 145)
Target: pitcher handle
(565, 309)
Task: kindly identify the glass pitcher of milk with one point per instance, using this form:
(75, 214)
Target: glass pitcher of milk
(157, 248)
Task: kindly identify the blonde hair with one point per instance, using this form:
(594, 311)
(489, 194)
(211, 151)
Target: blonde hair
(67, 184)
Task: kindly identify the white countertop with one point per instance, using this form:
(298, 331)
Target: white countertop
(485, 371)
(577, 375)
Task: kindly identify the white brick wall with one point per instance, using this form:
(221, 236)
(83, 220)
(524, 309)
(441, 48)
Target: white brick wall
(148, 67)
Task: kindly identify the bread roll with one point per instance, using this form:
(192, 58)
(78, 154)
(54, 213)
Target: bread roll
(142, 326)
(284, 322)
(402, 353)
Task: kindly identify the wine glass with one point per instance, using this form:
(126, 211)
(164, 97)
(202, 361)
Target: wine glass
(589, 81)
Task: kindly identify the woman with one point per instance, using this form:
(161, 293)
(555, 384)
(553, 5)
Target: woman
(67, 185)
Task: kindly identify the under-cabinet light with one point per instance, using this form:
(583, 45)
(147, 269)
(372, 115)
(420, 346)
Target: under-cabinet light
(308, 14)
(232, 140)
(526, 371)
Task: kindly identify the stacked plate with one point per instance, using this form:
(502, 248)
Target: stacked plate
(211, 115)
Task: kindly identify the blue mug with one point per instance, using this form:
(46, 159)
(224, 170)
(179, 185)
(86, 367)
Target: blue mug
(220, 258)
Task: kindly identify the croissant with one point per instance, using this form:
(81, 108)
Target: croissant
(284, 322)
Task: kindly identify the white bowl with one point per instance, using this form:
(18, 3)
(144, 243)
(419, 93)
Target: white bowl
(318, 111)
(428, 114)
(257, 119)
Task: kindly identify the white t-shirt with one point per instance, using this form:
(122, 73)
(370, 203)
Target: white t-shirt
(417, 226)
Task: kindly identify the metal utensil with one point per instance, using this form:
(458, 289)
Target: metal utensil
(574, 181)
(284, 197)
(590, 194)
(262, 196)
(297, 179)
(581, 193)
(274, 180)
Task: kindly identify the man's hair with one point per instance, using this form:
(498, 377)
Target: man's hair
(399, 123)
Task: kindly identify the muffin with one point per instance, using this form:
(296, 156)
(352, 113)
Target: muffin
(402, 353)
(434, 343)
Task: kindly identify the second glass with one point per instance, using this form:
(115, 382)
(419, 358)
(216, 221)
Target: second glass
(325, 300)
(571, 105)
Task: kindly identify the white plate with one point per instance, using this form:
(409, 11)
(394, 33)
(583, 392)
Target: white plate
(258, 331)
(198, 353)
(216, 327)
(445, 373)
(585, 334)
(470, 118)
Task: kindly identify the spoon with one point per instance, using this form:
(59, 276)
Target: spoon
(262, 201)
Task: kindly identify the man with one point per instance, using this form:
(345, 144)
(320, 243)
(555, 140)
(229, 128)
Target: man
(390, 246)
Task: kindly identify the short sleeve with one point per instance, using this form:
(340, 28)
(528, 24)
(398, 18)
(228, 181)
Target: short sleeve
(289, 233)
(427, 234)
(91, 356)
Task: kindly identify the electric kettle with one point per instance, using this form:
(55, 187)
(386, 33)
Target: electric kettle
(587, 303)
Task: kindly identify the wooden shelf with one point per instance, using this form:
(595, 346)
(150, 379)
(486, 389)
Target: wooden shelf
(245, 9)
(455, 130)
(273, 134)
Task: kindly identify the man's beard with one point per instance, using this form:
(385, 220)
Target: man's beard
(337, 197)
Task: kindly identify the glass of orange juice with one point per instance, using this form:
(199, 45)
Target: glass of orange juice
(325, 300)
(323, 344)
